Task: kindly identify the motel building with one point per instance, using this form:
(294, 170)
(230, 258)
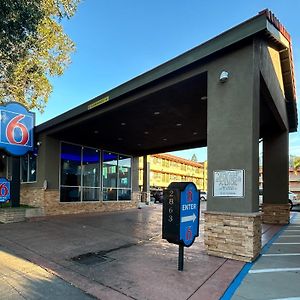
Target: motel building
(228, 94)
(166, 168)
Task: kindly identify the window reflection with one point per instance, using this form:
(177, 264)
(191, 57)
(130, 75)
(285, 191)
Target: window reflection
(91, 167)
(70, 165)
(81, 175)
(69, 194)
(28, 167)
(110, 164)
(124, 172)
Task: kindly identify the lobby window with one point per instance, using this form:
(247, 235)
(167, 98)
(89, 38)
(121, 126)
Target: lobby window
(124, 183)
(116, 174)
(80, 174)
(28, 167)
(70, 179)
(90, 174)
(109, 175)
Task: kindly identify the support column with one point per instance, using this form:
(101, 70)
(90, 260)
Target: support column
(136, 194)
(276, 209)
(15, 182)
(232, 221)
(146, 180)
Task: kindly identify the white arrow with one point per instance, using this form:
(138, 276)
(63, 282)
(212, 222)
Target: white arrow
(188, 218)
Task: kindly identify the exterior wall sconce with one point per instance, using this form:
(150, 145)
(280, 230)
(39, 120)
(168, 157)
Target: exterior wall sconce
(224, 76)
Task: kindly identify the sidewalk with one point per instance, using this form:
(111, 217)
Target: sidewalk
(276, 274)
(21, 279)
(120, 255)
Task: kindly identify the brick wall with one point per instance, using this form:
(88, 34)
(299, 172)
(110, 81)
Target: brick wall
(49, 201)
(31, 196)
(276, 213)
(232, 235)
(12, 215)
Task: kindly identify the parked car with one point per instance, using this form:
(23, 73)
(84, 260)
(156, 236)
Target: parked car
(203, 196)
(158, 196)
(293, 199)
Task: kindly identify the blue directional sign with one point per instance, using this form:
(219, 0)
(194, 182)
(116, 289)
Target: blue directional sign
(189, 214)
(181, 213)
(4, 190)
(16, 129)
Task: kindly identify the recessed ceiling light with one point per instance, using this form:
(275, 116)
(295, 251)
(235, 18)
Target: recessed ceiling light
(120, 139)
(146, 132)
(156, 113)
(203, 98)
(179, 124)
(195, 133)
(139, 145)
(165, 139)
(96, 131)
(123, 124)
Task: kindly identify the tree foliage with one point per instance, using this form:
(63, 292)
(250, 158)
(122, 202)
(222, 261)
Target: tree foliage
(33, 46)
(194, 158)
(296, 163)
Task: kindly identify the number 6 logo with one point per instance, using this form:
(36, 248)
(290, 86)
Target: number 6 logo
(3, 190)
(12, 126)
(16, 129)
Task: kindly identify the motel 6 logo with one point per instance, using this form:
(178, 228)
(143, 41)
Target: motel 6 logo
(16, 129)
(4, 190)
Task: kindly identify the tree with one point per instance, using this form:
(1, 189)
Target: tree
(33, 46)
(194, 158)
(296, 163)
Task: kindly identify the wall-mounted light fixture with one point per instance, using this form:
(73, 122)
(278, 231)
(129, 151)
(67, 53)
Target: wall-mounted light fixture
(38, 143)
(224, 76)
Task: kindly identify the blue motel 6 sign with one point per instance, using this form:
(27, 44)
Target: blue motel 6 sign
(16, 129)
(4, 190)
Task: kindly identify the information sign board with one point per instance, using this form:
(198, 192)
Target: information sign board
(229, 183)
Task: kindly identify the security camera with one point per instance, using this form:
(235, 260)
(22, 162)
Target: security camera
(224, 76)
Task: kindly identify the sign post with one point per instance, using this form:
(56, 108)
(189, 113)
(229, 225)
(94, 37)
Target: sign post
(181, 210)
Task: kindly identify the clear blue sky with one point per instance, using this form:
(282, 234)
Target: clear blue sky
(117, 40)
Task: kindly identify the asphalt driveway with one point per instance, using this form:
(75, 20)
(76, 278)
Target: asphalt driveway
(119, 255)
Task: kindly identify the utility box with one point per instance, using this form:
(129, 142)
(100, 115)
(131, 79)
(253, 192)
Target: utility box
(181, 210)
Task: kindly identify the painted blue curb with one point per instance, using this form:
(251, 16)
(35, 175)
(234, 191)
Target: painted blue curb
(240, 277)
(237, 281)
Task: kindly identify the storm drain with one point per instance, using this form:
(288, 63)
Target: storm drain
(93, 258)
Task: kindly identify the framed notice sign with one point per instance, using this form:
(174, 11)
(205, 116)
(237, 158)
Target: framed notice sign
(229, 183)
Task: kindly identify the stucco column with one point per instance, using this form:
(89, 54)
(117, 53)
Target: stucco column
(232, 220)
(146, 180)
(136, 195)
(276, 178)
